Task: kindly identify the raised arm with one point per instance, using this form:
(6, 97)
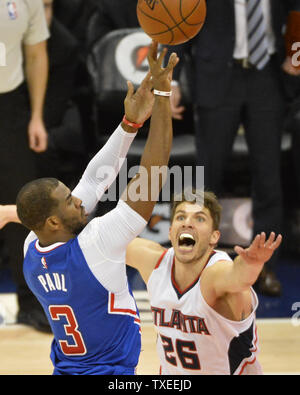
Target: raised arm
(105, 166)
(8, 213)
(156, 154)
(227, 277)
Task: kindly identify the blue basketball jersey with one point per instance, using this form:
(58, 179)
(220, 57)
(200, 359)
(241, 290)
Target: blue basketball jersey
(96, 331)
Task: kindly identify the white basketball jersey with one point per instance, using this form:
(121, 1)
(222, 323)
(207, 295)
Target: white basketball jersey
(192, 337)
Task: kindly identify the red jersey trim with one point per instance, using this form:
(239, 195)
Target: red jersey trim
(160, 259)
(113, 309)
(253, 350)
(177, 289)
(45, 250)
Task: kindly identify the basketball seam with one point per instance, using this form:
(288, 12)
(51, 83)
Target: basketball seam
(170, 29)
(184, 19)
(157, 20)
(177, 25)
(171, 16)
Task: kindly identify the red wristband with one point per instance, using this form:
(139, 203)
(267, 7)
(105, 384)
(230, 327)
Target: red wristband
(132, 124)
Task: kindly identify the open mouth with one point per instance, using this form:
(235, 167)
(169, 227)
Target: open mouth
(186, 241)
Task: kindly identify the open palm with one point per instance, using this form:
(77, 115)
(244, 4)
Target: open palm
(260, 250)
(139, 104)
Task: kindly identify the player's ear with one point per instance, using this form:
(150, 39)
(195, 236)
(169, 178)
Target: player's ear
(215, 237)
(170, 228)
(53, 223)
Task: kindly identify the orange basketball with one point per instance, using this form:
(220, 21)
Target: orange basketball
(171, 21)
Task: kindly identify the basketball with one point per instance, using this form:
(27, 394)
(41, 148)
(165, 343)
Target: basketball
(171, 22)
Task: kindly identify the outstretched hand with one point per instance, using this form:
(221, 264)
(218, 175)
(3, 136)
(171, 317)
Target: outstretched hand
(260, 250)
(138, 105)
(162, 77)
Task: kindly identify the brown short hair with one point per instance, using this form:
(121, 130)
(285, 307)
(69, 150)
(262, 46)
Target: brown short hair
(35, 202)
(207, 198)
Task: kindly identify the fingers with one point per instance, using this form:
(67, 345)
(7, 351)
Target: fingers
(177, 112)
(152, 54)
(173, 60)
(239, 250)
(32, 142)
(130, 90)
(147, 81)
(271, 243)
(277, 242)
(38, 141)
(40, 145)
(162, 56)
(256, 242)
(262, 239)
(270, 240)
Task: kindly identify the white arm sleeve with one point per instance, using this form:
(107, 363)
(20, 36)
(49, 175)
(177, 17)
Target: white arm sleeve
(103, 169)
(104, 241)
(100, 173)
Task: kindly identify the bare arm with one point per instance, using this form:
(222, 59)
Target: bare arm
(106, 164)
(157, 150)
(238, 276)
(8, 213)
(36, 67)
(143, 255)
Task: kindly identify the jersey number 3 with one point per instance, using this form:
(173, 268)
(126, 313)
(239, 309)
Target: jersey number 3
(71, 329)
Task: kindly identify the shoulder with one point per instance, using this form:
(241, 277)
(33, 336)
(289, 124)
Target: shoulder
(34, 6)
(143, 255)
(219, 265)
(218, 256)
(218, 262)
(151, 251)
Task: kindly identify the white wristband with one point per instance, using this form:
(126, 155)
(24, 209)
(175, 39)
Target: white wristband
(161, 93)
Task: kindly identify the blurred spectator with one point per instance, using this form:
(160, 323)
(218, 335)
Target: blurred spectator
(292, 86)
(111, 15)
(74, 16)
(238, 58)
(66, 151)
(23, 31)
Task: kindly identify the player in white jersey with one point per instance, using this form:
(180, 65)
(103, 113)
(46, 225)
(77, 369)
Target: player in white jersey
(203, 303)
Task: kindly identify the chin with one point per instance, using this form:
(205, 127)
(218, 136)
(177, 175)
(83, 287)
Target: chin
(79, 229)
(186, 255)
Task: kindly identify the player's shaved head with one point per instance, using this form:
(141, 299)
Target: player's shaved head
(35, 202)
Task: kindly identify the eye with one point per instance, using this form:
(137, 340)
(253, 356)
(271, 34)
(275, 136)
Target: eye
(180, 218)
(201, 219)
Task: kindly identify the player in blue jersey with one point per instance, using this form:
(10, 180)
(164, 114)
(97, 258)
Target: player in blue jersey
(77, 270)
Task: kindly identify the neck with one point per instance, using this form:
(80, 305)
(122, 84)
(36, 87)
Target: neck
(186, 272)
(48, 239)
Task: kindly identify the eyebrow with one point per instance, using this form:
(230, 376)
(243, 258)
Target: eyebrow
(197, 212)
